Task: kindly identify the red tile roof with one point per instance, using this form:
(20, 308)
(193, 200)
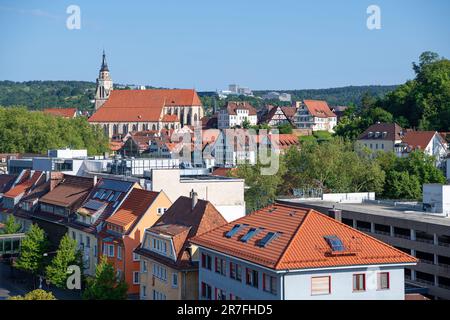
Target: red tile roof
(300, 243)
(418, 139)
(60, 112)
(232, 106)
(133, 208)
(319, 109)
(143, 105)
(71, 190)
(25, 185)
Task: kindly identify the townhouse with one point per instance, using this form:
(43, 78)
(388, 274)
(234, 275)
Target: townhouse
(88, 219)
(124, 231)
(382, 137)
(277, 115)
(430, 142)
(285, 252)
(169, 263)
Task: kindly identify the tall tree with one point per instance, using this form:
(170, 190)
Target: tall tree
(33, 247)
(11, 226)
(66, 255)
(105, 285)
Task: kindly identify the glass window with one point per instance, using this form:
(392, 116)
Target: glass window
(175, 280)
(383, 281)
(359, 282)
(252, 277)
(135, 277)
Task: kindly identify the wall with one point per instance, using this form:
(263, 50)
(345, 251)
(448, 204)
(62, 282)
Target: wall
(212, 190)
(348, 197)
(298, 286)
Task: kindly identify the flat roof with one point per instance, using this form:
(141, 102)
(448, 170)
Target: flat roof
(381, 209)
(208, 178)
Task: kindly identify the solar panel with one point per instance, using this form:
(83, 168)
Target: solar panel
(93, 205)
(335, 243)
(107, 194)
(116, 185)
(252, 232)
(267, 239)
(234, 230)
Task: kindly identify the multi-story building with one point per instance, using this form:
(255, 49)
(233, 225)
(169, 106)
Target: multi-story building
(233, 147)
(88, 220)
(168, 261)
(277, 116)
(285, 252)
(208, 188)
(124, 231)
(430, 142)
(423, 234)
(382, 137)
(236, 114)
(314, 115)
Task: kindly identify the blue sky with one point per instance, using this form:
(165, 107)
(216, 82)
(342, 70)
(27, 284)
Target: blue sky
(207, 44)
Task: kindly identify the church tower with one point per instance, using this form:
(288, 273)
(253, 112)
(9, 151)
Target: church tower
(104, 84)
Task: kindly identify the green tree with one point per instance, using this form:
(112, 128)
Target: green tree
(66, 255)
(246, 124)
(33, 247)
(105, 285)
(37, 294)
(11, 226)
(285, 128)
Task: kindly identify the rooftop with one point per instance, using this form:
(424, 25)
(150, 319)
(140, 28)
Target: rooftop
(283, 237)
(378, 209)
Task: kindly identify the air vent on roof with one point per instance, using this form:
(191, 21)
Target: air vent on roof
(269, 237)
(250, 234)
(335, 243)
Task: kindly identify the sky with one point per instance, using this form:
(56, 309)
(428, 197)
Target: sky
(208, 44)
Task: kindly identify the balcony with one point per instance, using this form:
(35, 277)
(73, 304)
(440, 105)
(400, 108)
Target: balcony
(423, 281)
(383, 233)
(402, 236)
(425, 240)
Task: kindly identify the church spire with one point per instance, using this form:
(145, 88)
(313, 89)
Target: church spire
(104, 64)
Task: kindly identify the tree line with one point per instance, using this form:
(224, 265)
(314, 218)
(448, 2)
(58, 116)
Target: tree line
(23, 131)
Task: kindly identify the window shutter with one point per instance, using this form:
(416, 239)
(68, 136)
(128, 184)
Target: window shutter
(320, 285)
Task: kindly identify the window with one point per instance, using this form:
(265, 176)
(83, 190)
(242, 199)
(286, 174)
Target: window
(270, 284)
(359, 282)
(110, 250)
(144, 291)
(88, 242)
(160, 245)
(160, 272)
(119, 252)
(74, 235)
(235, 271)
(136, 257)
(206, 261)
(383, 281)
(95, 250)
(221, 294)
(144, 266)
(158, 295)
(135, 277)
(206, 291)
(252, 278)
(220, 266)
(174, 280)
(320, 286)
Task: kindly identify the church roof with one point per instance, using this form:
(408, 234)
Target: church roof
(143, 105)
(104, 66)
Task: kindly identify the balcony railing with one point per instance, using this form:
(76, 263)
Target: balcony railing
(444, 244)
(402, 236)
(444, 286)
(425, 240)
(384, 233)
(426, 261)
(431, 283)
(363, 229)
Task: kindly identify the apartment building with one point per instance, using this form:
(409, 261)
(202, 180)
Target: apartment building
(235, 114)
(314, 115)
(169, 270)
(284, 252)
(424, 235)
(124, 230)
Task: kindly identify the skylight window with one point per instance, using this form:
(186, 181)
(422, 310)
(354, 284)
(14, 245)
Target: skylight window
(252, 232)
(269, 237)
(234, 230)
(335, 243)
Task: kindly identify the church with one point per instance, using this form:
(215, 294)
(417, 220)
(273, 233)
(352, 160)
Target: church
(123, 111)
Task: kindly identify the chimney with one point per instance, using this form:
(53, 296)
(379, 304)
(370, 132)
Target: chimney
(95, 180)
(335, 214)
(194, 198)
